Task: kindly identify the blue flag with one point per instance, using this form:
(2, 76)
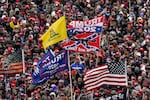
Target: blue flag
(92, 29)
(36, 79)
(50, 65)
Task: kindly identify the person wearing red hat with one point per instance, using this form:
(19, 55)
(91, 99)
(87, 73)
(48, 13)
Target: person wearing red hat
(77, 93)
(27, 7)
(66, 79)
(56, 51)
(117, 56)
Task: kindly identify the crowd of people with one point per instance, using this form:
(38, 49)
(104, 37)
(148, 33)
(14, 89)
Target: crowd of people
(125, 37)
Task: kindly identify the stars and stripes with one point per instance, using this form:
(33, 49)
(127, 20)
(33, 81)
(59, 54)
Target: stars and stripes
(12, 63)
(111, 74)
(116, 68)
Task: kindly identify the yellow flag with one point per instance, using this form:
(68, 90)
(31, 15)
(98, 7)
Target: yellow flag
(56, 33)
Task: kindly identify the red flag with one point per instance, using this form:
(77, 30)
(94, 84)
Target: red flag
(84, 42)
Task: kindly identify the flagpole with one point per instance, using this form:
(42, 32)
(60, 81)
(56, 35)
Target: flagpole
(126, 72)
(22, 51)
(70, 76)
(96, 58)
(23, 63)
(127, 91)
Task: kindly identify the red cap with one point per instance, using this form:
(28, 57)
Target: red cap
(17, 0)
(140, 93)
(73, 72)
(142, 49)
(27, 7)
(96, 94)
(77, 91)
(65, 74)
(56, 50)
(13, 19)
(22, 13)
(118, 54)
(1, 76)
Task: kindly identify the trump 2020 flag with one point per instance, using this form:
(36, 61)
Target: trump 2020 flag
(88, 26)
(36, 79)
(56, 33)
(49, 66)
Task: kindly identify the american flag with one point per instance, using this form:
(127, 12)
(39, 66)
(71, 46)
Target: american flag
(12, 63)
(111, 74)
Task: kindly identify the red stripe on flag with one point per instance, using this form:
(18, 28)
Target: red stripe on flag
(95, 81)
(99, 76)
(105, 83)
(95, 75)
(14, 68)
(11, 71)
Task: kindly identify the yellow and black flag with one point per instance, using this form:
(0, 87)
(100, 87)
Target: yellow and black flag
(56, 33)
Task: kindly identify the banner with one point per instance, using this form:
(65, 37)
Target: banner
(92, 29)
(11, 64)
(36, 79)
(93, 25)
(84, 42)
(80, 24)
(49, 66)
(56, 33)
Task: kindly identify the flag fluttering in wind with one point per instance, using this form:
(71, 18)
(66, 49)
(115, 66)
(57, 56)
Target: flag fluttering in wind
(49, 65)
(56, 33)
(112, 74)
(83, 42)
(12, 63)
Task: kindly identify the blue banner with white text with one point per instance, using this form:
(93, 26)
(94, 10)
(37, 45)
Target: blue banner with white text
(92, 29)
(49, 66)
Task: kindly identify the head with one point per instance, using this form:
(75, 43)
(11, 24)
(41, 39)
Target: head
(80, 80)
(77, 60)
(140, 79)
